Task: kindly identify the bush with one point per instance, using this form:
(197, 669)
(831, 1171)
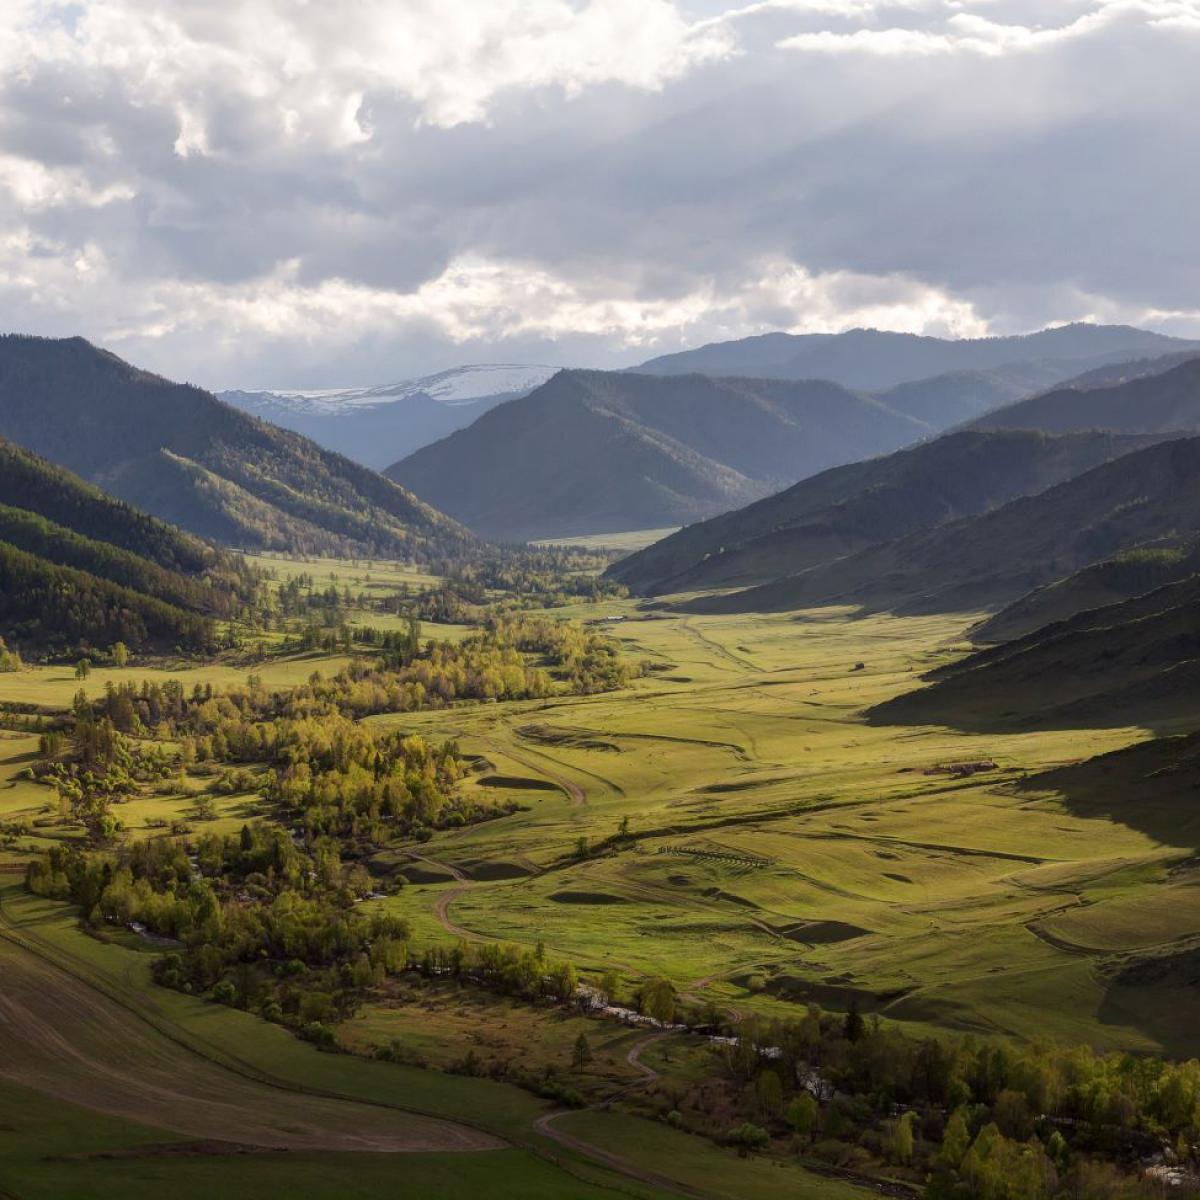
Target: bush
(225, 993)
(320, 1035)
(747, 1137)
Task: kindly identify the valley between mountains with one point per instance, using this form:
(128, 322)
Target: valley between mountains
(839, 844)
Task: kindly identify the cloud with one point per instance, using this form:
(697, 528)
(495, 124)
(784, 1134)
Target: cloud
(967, 32)
(320, 195)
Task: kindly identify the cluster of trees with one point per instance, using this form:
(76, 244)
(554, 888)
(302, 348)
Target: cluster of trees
(975, 1120)
(340, 778)
(10, 660)
(516, 657)
(511, 970)
(535, 577)
(263, 923)
(329, 774)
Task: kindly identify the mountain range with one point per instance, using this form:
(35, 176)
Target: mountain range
(378, 425)
(842, 512)
(596, 452)
(179, 453)
(873, 359)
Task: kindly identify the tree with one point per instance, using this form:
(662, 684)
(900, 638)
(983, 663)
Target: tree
(83, 668)
(769, 1092)
(120, 655)
(609, 985)
(203, 808)
(658, 1000)
(581, 1053)
(901, 1147)
(10, 660)
(803, 1114)
(1011, 1113)
(956, 1141)
(853, 1026)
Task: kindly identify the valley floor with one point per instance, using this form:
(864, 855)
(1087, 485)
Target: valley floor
(779, 848)
(783, 849)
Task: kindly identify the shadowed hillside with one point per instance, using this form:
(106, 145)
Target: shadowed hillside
(1131, 573)
(989, 560)
(1158, 403)
(1132, 663)
(846, 509)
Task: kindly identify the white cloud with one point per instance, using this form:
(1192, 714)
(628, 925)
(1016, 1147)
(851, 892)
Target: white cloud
(474, 300)
(307, 68)
(960, 31)
(390, 186)
(33, 185)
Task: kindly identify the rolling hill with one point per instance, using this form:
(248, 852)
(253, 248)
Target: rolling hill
(1148, 497)
(376, 426)
(845, 509)
(599, 452)
(875, 359)
(177, 452)
(80, 570)
(1099, 585)
(1144, 403)
(1135, 662)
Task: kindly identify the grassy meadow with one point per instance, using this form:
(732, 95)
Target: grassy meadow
(733, 821)
(784, 849)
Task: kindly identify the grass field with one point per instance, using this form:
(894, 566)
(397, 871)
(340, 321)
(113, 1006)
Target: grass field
(626, 542)
(780, 849)
(784, 849)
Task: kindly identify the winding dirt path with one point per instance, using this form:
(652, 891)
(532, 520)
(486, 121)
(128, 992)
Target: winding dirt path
(545, 1125)
(573, 791)
(441, 906)
(692, 992)
(718, 649)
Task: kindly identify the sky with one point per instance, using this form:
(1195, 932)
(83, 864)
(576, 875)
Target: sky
(318, 194)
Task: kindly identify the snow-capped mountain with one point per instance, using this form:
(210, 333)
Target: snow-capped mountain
(378, 426)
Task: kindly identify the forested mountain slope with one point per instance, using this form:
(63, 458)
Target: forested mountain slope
(596, 452)
(81, 570)
(846, 509)
(1148, 497)
(179, 453)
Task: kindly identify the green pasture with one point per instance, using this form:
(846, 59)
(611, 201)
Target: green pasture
(781, 840)
(626, 542)
(733, 821)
